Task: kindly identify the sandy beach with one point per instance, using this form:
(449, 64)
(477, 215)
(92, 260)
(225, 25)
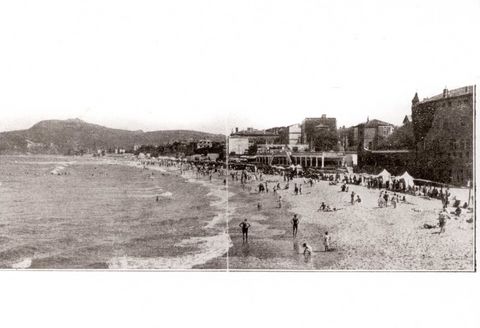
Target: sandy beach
(364, 236)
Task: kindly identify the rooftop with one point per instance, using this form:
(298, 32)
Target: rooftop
(374, 123)
(250, 132)
(450, 94)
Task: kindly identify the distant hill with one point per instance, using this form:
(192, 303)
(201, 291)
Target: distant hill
(74, 135)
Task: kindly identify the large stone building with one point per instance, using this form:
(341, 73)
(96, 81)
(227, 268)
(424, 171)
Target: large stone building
(238, 145)
(315, 126)
(443, 130)
(240, 141)
(367, 135)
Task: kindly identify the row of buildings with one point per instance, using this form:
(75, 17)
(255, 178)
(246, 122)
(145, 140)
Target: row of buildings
(441, 129)
(313, 134)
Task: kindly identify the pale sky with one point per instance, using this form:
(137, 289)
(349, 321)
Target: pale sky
(214, 65)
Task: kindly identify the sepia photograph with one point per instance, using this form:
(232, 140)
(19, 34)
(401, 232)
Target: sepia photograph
(170, 175)
(328, 143)
(312, 195)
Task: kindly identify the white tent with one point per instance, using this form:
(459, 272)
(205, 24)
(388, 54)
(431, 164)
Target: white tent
(407, 178)
(385, 175)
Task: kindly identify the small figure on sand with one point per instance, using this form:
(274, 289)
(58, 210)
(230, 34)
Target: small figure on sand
(442, 220)
(352, 197)
(259, 206)
(307, 250)
(322, 207)
(295, 222)
(358, 200)
(458, 211)
(326, 241)
(244, 225)
(385, 197)
(279, 201)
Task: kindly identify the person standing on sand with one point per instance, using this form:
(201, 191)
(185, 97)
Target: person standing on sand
(394, 202)
(326, 241)
(295, 222)
(442, 220)
(352, 197)
(279, 201)
(244, 225)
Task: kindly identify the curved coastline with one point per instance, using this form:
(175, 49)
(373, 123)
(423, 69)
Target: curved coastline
(209, 247)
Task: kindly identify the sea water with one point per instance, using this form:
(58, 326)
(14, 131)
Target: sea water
(104, 214)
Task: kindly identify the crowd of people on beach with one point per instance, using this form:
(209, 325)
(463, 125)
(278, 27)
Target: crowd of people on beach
(392, 193)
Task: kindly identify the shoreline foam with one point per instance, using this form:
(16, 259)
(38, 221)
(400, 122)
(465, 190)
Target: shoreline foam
(209, 247)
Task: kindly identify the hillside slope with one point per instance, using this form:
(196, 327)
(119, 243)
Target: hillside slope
(73, 135)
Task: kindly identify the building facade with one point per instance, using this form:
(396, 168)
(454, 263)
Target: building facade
(367, 135)
(240, 141)
(238, 145)
(316, 126)
(294, 134)
(443, 129)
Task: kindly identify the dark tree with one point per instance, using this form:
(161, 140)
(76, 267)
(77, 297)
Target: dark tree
(325, 140)
(252, 150)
